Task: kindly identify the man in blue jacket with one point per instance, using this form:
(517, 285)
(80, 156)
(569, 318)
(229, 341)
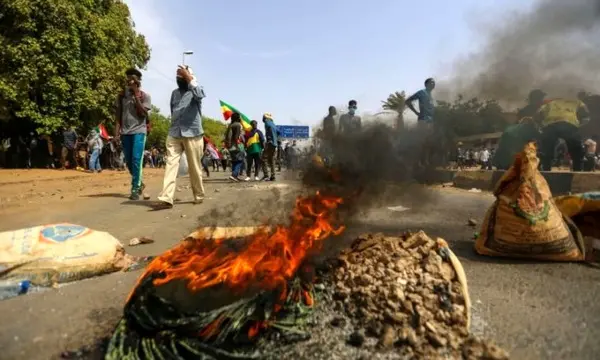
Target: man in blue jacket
(268, 154)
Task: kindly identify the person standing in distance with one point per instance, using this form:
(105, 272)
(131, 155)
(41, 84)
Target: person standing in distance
(132, 126)
(424, 116)
(268, 154)
(185, 134)
(426, 103)
(350, 122)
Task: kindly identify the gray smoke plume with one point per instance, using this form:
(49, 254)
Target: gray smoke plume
(555, 46)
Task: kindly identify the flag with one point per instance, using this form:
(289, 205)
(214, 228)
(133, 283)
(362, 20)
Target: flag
(228, 110)
(102, 131)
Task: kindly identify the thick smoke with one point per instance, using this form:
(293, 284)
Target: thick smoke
(555, 46)
(368, 168)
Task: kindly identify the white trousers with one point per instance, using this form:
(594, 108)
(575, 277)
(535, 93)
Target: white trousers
(194, 149)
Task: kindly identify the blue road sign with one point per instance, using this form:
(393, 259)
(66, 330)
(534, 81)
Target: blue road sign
(293, 131)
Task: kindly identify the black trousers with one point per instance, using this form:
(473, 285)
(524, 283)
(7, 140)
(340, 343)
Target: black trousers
(570, 134)
(253, 159)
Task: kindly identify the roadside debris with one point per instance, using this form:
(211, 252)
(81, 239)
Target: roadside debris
(140, 241)
(448, 184)
(472, 222)
(475, 190)
(409, 292)
(398, 208)
(45, 256)
(10, 289)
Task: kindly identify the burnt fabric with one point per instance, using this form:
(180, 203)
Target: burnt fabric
(171, 322)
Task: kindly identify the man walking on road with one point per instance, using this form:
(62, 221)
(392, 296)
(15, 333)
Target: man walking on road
(132, 125)
(186, 134)
(270, 148)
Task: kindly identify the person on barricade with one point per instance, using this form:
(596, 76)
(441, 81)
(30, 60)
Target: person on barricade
(424, 117)
(350, 122)
(558, 119)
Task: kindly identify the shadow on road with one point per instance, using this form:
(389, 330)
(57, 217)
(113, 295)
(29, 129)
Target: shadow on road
(108, 195)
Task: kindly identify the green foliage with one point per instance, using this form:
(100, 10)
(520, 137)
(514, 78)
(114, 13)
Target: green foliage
(470, 117)
(396, 101)
(214, 129)
(462, 117)
(62, 61)
(160, 129)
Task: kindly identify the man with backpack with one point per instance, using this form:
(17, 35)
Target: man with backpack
(132, 126)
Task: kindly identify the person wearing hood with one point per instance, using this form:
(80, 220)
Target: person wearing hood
(268, 155)
(185, 135)
(132, 127)
(95, 145)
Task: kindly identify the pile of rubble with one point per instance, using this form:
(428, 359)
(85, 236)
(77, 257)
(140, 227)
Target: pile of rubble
(410, 293)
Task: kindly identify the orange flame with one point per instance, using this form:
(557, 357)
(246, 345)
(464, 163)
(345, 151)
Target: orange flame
(268, 259)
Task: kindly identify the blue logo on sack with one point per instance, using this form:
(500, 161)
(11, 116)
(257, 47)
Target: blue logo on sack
(62, 233)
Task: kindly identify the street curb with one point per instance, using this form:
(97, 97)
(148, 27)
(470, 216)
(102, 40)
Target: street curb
(560, 183)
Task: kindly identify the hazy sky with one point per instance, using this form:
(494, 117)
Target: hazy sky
(294, 59)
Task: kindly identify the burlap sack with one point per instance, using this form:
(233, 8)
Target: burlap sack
(584, 211)
(59, 253)
(524, 222)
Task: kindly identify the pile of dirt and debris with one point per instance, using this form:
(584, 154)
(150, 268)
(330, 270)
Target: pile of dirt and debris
(410, 294)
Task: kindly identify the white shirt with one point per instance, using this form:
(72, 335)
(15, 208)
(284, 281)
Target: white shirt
(485, 155)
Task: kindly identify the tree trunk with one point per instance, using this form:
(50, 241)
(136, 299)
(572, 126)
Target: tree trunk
(400, 121)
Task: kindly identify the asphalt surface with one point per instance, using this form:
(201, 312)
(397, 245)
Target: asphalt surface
(533, 310)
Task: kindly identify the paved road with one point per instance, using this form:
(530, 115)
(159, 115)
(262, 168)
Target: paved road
(534, 310)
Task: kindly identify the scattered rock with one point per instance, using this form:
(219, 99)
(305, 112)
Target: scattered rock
(472, 222)
(357, 338)
(388, 337)
(140, 241)
(146, 196)
(404, 291)
(183, 215)
(338, 322)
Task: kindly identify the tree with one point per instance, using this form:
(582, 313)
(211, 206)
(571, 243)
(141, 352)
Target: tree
(62, 62)
(470, 117)
(160, 129)
(214, 130)
(396, 102)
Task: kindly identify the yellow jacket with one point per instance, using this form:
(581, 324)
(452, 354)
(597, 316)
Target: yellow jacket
(562, 110)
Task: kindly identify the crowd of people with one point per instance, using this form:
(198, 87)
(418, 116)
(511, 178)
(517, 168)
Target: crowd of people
(251, 154)
(474, 158)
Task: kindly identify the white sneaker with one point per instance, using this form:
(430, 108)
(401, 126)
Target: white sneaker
(247, 179)
(256, 178)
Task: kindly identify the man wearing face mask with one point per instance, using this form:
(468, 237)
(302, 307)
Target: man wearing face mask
(132, 125)
(185, 134)
(350, 122)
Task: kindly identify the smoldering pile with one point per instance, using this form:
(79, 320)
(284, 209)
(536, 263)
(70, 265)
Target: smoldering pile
(409, 293)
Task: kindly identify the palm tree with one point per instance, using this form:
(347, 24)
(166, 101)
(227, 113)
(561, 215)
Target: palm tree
(396, 102)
